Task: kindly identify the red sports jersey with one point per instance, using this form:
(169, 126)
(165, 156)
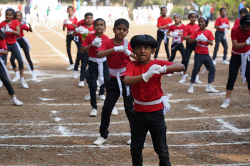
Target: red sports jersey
(146, 91)
(179, 29)
(219, 21)
(3, 45)
(11, 38)
(204, 49)
(88, 40)
(23, 27)
(237, 22)
(116, 60)
(189, 29)
(163, 21)
(74, 20)
(241, 36)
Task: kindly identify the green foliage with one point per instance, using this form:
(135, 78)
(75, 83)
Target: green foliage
(152, 2)
(178, 9)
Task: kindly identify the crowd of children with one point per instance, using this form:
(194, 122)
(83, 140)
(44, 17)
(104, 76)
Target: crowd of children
(125, 69)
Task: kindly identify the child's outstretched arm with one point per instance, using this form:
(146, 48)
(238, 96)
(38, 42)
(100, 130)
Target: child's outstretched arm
(84, 49)
(31, 30)
(103, 53)
(191, 41)
(128, 80)
(175, 67)
(5, 52)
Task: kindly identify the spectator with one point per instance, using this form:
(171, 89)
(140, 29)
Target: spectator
(211, 13)
(27, 12)
(20, 7)
(241, 5)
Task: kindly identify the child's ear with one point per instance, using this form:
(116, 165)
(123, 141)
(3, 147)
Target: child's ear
(153, 51)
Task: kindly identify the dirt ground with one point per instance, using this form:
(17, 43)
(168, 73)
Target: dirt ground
(53, 126)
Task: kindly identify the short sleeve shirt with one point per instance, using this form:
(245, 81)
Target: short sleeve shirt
(241, 36)
(219, 21)
(11, 38)
(23, 27)
(179, 29)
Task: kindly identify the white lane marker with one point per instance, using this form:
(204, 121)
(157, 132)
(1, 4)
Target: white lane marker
(125, 146)
(235, 164)
(120, 108)
(46, 99)
(196, 108)
(46, 90)
(120, 122)
(229, 126)
(218, 94)
(64, 133)
(63, 130)
(51, 46)
(61, 35)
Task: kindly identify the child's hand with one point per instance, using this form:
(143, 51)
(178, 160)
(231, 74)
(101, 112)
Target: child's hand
(97, 42)
(7, 29)
(203, 38)
(82, 30)
(3, 30)
(248, 41)
(163, 69)
(126, 51)
(119, 48)
(154, 69)
(174, 34)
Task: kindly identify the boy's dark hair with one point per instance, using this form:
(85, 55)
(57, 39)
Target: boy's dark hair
(16, 13)
(244, 10)
(163, 7)
(222, 9)
(70, 7)
(245, 20)
(100, 19)
(121, 21)
(12, 11)
(205, 19)
(88, 14)
(143, 40)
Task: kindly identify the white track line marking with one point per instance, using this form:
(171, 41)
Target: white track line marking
(235, 164)
(123, 146)
(120, 122)
(61, 35)
(195, 108)
(62, 129)
(229, 126)
(218, 94)
(47, 90)
(51, 46)
(46, 99)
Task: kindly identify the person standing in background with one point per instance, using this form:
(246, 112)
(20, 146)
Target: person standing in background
(27, 12)
(20, 7)
(211, 13)
(206, 11)
(241, 5)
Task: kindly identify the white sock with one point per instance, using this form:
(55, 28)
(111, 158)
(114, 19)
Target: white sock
(184, 76)
(197, 77)
(191, 85)
(209, 85)
(227, 100)
(14, 98)
(22, 79)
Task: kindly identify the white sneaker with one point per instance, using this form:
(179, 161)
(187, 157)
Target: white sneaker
(81, 84)
(114, 111)
(198, 82)
(190, 89)
(17, 102)
(100, 141)
(224, 105)
(182, 80)
(211, 90)
(93, 113)
(214, 62)
(97, 83)
(129, 142)
(24, 84)
(224, 62)
(34, 77)
(71, 67)
(17, 77)
(1, 84)
(87, 97)
(169, 75)
(102, 97)
(75, 74)
(181, 73)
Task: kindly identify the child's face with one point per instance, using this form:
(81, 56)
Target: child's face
(177, 19)
(164, 11)
(202, 23)
(247, 27)
(70, 11)
(223, 12)
(89, 20)
(9, 16)
(143, 53)
(242, 14)
(193, 18)
(100, 26)
(18, 16)
(120, 31)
